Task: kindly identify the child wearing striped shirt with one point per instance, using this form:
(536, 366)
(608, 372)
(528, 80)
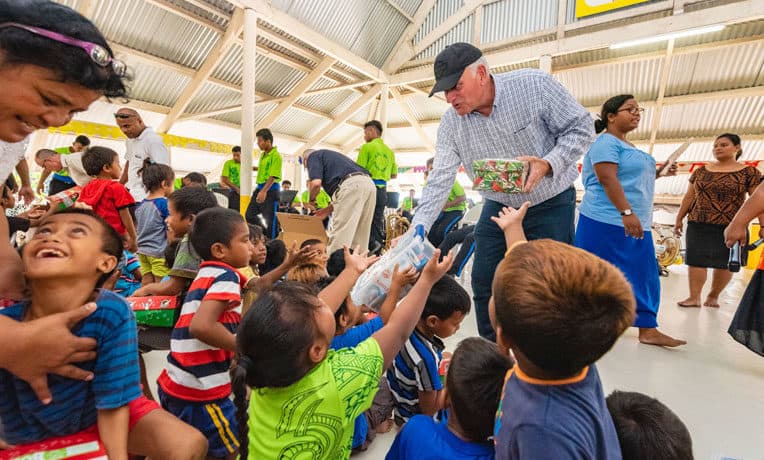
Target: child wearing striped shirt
(195, 385)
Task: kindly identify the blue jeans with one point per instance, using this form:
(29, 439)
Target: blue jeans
(553, 218)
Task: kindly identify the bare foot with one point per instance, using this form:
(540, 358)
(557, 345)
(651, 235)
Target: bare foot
(652, 336)
(385, 426)
(689, 302)
(712, 302)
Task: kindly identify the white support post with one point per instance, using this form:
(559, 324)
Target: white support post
(248, 105)
(562, 17)
(383, 101)
(545, 63)
(477, 25)
(665, 71)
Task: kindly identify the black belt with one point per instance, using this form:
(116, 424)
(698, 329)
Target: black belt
(348, 176)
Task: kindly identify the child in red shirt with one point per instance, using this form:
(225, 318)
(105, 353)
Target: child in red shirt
(108, 198)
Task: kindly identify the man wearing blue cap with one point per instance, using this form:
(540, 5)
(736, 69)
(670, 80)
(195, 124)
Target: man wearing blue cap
(523, 115)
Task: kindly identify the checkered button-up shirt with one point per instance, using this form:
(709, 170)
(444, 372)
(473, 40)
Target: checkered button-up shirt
(533, 115)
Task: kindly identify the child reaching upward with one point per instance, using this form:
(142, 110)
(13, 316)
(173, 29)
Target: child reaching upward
(108, 198)
(150, 216)
(305, 396)
(70, 256)
(195, 385)
(559, 309)
(414, 379)
(473, 389)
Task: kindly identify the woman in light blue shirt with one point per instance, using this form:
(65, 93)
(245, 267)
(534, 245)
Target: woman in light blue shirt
(617, 207)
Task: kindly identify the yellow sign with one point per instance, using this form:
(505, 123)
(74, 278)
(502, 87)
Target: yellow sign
(590, 7)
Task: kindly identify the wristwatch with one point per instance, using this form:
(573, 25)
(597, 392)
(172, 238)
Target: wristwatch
(626, 212)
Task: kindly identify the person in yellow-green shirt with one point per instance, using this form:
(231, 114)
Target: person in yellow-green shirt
(453, 211)
(379, 160)
(229, 177)
(265, 197)
(61, 180)
(407, 206)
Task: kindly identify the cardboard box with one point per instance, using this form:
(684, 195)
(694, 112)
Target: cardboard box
(296, 227)
(80, 446)
(65, 199)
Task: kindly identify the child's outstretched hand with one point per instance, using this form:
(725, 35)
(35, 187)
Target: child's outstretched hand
(511, 217)
(403, 277)
(296, 256)
(435, 270)
(357, 260)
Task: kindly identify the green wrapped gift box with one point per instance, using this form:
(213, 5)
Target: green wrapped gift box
(500, 176)
(156, 311)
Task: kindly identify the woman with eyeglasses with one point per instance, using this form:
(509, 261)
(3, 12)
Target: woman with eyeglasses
(54, 63)
(616, 211)
(717, 191)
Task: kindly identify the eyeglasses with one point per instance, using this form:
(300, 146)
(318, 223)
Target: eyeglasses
(97, 53)
(633, 110)
(122, 116)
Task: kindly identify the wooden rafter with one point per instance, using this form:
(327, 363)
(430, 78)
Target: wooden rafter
(412, 120)
(443, 28)
(404, 46)
(399, 10)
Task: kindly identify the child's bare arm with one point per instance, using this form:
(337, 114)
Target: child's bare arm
(355, 264)
(404, 319)
(294, 257)
(205, 326)
(429, 402)
(172, 286)
(112, 429)
(510, 221)
(399, 279)
(127, 221)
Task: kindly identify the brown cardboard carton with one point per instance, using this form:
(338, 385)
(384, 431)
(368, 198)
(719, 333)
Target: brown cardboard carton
(296, 227)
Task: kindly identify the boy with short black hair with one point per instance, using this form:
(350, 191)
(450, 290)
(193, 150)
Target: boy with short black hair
(414, 379)
(106, 196)
(473, 390)
(559, 309)
(70, 256)
(647, 428)
(195, 386)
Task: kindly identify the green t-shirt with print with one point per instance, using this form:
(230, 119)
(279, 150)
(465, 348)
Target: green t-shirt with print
(408, 204)
(63, 151)
(322, 199)
(314, 417)
(377, 158)
(456, 191)
(269, 166)
(232, 170)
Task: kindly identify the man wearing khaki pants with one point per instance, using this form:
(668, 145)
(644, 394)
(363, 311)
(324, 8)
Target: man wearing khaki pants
(353, 196)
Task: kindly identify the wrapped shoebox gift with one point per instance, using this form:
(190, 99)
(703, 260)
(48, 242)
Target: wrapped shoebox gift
(79, 446)
(499, 175)
(156, 311)
(65, 199)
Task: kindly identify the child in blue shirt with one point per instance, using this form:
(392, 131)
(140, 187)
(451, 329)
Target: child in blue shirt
(559, 309)
(129, 279)
(150, 217)
(473, 389)
(65, 240)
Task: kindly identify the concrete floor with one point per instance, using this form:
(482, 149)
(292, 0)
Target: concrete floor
(715, 385)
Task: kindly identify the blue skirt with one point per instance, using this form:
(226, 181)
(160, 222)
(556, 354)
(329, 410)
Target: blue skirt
(635, 258)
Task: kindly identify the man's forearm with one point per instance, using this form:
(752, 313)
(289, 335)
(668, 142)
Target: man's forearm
(23, 169)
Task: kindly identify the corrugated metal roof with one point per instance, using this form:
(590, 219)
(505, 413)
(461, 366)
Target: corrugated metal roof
(328, 102)
(271, 77)
(409, 6)
(461, 33)
(380, 34)
(297, 122)
(220, 16)
(712, 70)
(439, 13)
(342, 134)
(741, 115)
(158, 85)
(511, 18)
(211, 97)
(139, 25)
(592, 86)
(426, 108)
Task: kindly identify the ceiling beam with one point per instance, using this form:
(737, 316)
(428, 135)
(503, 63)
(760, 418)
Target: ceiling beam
(477, 25)
(745, 10)
(298, 91)
(665, 71)
(752, 91)
(281, 20)
(444, 27)
(404, 47)
(412, 120)
(342, 117)
(212, 60)
(87, 8)
(399, 10)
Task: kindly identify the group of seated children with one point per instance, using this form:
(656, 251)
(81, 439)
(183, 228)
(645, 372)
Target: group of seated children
(285, 365)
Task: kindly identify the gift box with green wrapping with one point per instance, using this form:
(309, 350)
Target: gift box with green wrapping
(65, 199)
(154, 311)
(499, 175)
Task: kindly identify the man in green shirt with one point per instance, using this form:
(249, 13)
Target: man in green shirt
(407, 206)
(265, 197)
(452, 212)
(61, 179)
(230, 177)
(379, 160)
